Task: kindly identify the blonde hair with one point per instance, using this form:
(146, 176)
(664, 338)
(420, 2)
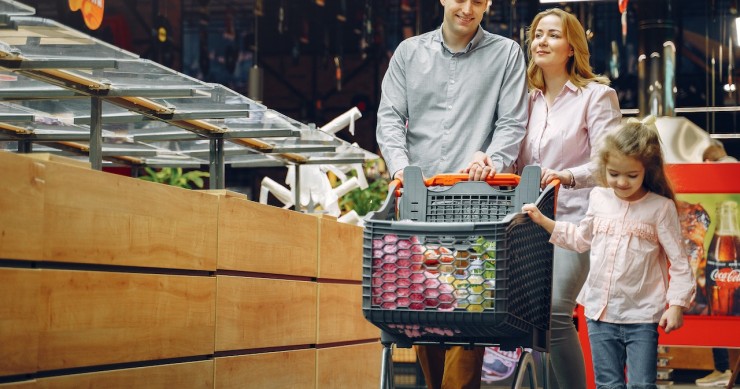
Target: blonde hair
(638, 140)
(714, 152)
(578, 66)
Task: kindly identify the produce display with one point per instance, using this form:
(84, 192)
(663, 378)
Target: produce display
(433, 273)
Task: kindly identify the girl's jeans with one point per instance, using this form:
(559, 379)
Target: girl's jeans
(614, 344)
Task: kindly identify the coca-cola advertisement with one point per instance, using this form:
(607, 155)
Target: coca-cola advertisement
(712, 238)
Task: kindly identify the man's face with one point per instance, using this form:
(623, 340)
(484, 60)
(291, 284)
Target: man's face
(462, 17)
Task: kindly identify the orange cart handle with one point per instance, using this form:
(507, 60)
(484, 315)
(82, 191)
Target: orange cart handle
(449, 179)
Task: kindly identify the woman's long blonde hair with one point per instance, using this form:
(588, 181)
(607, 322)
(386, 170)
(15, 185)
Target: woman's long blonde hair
(578, 66)
(638, 140)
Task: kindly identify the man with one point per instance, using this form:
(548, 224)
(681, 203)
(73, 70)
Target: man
(454, 99)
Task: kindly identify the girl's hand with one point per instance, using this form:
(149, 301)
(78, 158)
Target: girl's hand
(534, 213)
(480, 168)
(672, 319)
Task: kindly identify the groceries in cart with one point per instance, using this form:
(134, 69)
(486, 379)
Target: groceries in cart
(433, 272)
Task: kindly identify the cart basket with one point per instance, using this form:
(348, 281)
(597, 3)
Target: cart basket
(449, 261)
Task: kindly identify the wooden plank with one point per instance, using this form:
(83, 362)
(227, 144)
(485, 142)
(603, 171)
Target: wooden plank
(22, 185)
(275, 370)
(103, 218)
(30, 384)
(356, 366)
(59, 159)
(95, 318)
(340, 250)
(191, 375)
(259, 312)
(261, 238)
(340, 314)
(699, 358)
(226, 193)
(19, 312)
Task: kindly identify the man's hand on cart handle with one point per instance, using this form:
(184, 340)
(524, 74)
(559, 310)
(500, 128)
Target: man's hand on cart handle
(480, 168)
(537, 217)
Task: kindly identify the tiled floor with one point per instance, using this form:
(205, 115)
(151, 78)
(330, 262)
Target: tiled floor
(407, 376)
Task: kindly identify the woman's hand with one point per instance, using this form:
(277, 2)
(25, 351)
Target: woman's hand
(480, 168)
(565, 177)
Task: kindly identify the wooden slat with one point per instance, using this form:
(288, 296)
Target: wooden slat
(30, 384)
(58, 159)
(275, 370)
(95, 318)
(191, 375)
(22, 185)
(355, 366)
(103, 218)
(19, 340)
(261, 238)
(340, 250)
(340, 314)
(259, 313)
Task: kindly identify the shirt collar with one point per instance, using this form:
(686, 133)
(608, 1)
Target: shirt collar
(471, 45)
(568, 84)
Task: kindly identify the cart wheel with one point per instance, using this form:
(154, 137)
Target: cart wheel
(525, 365)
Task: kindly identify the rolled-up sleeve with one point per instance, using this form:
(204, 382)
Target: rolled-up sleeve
(602, 115)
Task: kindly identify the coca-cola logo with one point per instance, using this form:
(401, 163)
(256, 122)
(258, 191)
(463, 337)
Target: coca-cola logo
(727, 277)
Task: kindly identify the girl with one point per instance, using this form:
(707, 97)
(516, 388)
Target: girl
(632, 229)
(570, 107)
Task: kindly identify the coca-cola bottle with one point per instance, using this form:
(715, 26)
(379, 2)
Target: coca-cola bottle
(723, 267)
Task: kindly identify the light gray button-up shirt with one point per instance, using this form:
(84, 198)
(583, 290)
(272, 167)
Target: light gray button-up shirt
(454, 103)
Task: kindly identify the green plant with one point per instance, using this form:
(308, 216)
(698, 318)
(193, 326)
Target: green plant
(175, 177)
(370, 199)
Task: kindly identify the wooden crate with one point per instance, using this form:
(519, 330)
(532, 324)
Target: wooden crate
(96, 318)
(190, 375)
(340, 250)
(274, 370)
(340, 317)
(22, 183)
(102, 218)
(19, 320)
(256, 313)
(259, 238)
(355, 366)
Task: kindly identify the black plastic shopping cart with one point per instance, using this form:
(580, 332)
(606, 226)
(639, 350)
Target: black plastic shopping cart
(448, 261)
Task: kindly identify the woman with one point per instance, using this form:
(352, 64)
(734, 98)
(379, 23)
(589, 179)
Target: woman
(570, 108)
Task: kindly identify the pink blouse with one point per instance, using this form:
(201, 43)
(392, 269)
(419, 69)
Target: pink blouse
(565, 136)
(631, 244)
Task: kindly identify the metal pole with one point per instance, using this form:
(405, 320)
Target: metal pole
(96, 133)
(216, 164)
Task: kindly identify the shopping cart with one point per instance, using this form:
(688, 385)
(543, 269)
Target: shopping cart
(451, 262)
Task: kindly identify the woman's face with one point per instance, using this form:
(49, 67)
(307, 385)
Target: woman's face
(549, 49)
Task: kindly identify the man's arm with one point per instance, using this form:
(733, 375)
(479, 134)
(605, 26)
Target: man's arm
(511, 112)
(393, 115)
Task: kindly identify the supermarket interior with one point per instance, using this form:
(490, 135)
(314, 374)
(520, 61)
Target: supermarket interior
(197, 193)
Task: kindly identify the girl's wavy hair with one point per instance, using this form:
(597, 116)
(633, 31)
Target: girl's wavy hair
(578, 66)
(638, 140)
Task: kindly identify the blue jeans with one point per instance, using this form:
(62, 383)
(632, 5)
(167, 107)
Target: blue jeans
(614, 344)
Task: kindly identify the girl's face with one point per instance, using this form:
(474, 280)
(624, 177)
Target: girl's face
(625, 175)
(549, 48)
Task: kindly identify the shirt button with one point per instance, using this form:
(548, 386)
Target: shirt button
(444, 158)
(452, 81)
(449, 107)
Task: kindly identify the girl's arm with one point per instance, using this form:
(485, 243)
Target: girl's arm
(564, 234)
(537, 217)
(682, 286)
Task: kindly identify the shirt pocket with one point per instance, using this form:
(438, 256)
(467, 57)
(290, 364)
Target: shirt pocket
(642, 244)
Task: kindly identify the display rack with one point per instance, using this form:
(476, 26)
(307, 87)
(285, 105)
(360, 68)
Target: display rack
(65, 91)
